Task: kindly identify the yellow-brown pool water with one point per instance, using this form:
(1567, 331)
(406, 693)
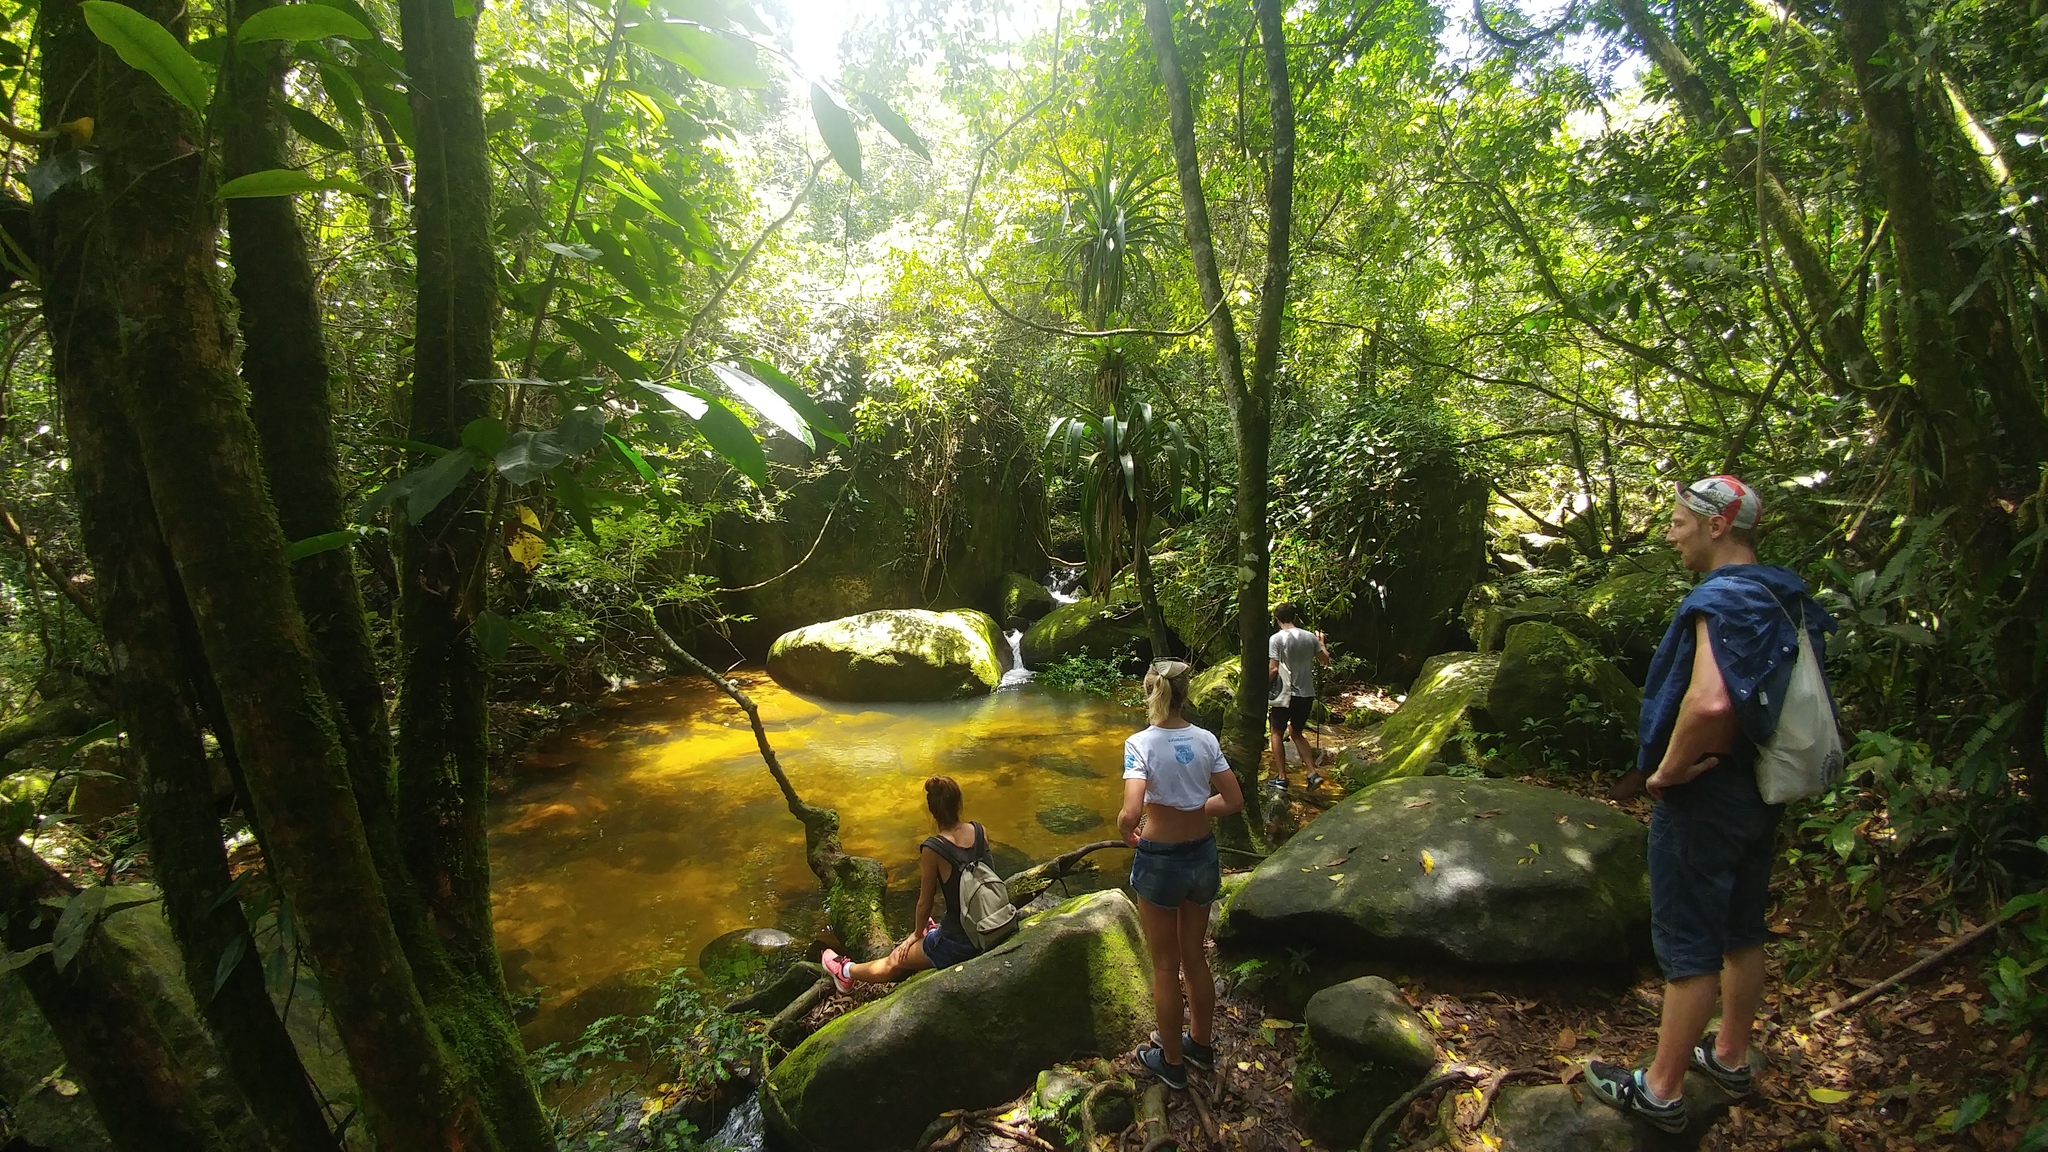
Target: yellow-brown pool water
(636, 839)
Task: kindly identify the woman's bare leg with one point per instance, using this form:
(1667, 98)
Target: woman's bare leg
(1162, 939)
(906, 958)
(1193, 928)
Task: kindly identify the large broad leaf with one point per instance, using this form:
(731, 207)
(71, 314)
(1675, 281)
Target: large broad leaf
(342, 92)
(710, 56)
(393, 105)
(606, 348)
(285, 182)
(575, 501)
(315, 545)
(436, 481)
(820, 421)
(493, 635)
(688, 403)
(835, 124)
(527, 456)
(144, 44)
(729, 436)
(549, 81)
(894, 125)
(314, 129)
(765, 400)
(300, 22)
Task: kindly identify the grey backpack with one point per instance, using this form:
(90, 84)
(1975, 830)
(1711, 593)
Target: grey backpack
(986, 914)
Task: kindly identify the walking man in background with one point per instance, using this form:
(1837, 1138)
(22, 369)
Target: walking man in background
(1714, 692)
(1292, 656)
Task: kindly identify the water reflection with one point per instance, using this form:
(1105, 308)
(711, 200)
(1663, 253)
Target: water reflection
(631, 843)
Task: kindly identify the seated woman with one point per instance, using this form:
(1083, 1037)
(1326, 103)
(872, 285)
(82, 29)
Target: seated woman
(939, 860)
(1176, 783)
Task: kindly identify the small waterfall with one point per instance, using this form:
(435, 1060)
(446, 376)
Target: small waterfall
(1018, 673)
(742, 1131)
(1064, 583)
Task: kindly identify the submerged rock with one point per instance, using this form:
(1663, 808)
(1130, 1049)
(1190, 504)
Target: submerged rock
(1072, 982)
(1365, 1048)
(1443, 719)
(1067, 819)
(746, 959)
(1066, 765)
(1087, 627)
(908, 654)
(1555, 698)
(1025, 598)
(1481, 872)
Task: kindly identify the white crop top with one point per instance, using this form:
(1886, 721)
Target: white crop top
(1175, 764)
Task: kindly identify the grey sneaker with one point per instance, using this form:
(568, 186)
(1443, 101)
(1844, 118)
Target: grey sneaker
(1192, 1051)
(1620, 1088)
(1734, 1081)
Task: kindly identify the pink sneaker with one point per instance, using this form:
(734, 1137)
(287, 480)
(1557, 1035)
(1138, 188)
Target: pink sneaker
(840, 968)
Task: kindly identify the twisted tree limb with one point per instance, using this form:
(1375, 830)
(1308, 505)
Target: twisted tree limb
(1026, 885)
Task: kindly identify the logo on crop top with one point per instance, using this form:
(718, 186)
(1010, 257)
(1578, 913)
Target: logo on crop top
(1185, 753)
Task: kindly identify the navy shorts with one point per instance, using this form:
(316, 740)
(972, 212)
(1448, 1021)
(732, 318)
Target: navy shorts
(1170, 875)
(945, 951)
(1710, 880)
(1294, 715)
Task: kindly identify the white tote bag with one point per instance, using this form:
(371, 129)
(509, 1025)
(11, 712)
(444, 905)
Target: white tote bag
(1804, 756)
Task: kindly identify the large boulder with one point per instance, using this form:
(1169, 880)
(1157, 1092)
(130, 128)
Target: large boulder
(1556, 698)
(1429, 534)
(1480, 872)
(1443, 720)
(1632, 608)
(1203, 621)
(896, 654)
(1366, 1047)
(1495, 621)
(1072, 982)
(1107, 630)
(1212, 695)
(1025, 598)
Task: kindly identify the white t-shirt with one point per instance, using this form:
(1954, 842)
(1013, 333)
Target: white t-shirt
(1175, 764)
(1295, 649)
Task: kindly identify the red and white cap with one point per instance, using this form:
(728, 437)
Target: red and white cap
(1723, 496)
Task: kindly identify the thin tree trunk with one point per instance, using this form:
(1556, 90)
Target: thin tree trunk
(148, 1101)
(129, 264)
(1141, 568)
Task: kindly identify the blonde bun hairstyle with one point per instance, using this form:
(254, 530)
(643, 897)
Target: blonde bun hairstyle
(1166, 690)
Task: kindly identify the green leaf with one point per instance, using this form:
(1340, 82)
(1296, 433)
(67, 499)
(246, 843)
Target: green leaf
(314, 545)
(548, 81)
(148, 46)
(285, 182)
(835, 124)
(485, 435)
(238, 946)
(894, 125)
(342, 92)
(530, 635)
(392, 104)
(712, 57)
(314, 129)
(731, 439)
(527, 456)
(436, 481)
(807, 405)
(358, 12)
(1827, 1095)
(574, 500)
(1842, 838)
(15, 961)
(690, 403)
(765, 400)
(300, 22)
(493, 635)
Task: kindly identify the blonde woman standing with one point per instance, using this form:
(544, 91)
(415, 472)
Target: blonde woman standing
(1176, 784)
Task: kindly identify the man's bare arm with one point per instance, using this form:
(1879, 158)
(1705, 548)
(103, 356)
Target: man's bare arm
(1707, 724)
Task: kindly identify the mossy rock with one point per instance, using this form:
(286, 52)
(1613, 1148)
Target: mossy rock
(1056, 1100)
(1087, 627)
(1632, 610)
(1497, 619)
(1516, 875)
(1025, 598)
(1556, 698)
(1202, 622)
(1212, 695)
(909, 654)
(1444, 719)
(1073, 982)
(1366, 1047)
(746, 959)
(1068, 819)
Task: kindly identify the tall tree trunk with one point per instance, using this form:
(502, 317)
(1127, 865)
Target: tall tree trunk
(131, 308)
(1847, 358)
(147, 1099)
(442, 722)
(1250, 397)
(138, 586)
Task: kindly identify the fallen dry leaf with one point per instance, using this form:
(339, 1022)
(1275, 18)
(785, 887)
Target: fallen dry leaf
(1489, 814)
(1417, 803)
(1567, 1039)
(1428, 863)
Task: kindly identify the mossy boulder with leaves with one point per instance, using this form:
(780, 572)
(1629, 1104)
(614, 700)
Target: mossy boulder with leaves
(1072, 982)
(1471, 871)
(1365, 1047)
(1443, 721)
(1025, 598)
(1495, 621)
(1633, 607)
(907, 654)
(1212, 695)
(1106, 630)
(1556, 699)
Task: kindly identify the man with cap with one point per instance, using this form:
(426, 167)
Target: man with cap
(1712, 696)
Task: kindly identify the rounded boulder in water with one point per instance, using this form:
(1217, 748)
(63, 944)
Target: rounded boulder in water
(748, 958)
(1067, 819)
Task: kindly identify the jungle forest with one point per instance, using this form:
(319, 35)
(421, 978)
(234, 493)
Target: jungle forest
(522, 518)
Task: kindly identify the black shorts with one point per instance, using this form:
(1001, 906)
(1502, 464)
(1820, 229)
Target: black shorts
(1294, 715)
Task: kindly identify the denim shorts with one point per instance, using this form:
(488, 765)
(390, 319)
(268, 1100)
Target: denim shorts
(1170, 875)
(945, 951)
(1710, 881)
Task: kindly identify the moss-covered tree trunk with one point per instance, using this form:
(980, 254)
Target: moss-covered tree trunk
(146, 1098)
(131, 306)
(442, 721)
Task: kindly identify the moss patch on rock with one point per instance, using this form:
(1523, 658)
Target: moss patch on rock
(1025, 598)
(1443, 719)
(1109, 630)
(1633, 608)
(1557, 699)
(907, 654)
(1212, 695)
(1072, 982)
(1365, 1047)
